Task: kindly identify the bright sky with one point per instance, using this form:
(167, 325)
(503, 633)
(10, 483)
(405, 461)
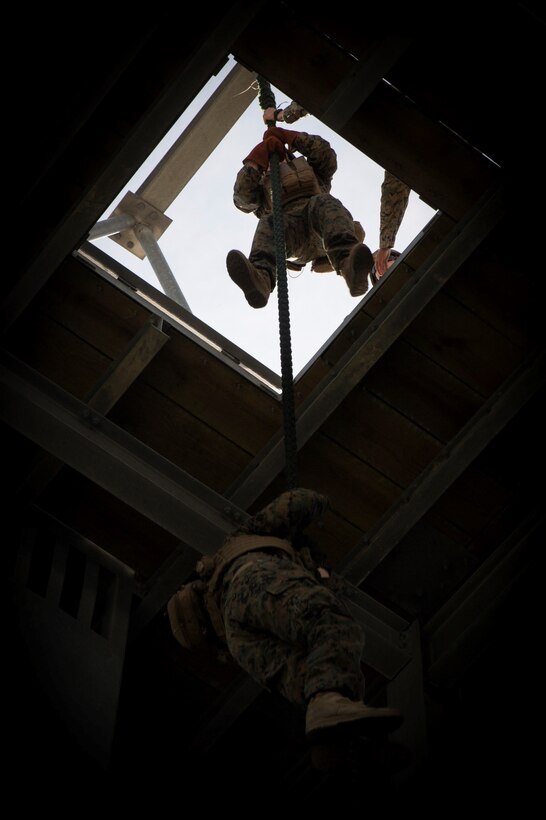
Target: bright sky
(206, 225)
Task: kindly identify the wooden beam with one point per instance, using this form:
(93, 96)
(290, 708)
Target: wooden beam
(451, 462)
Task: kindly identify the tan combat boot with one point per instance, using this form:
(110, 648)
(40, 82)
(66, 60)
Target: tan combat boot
(255, 283)
(330, 713)
(355, 269)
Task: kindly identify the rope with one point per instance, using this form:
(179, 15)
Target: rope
(267, 100)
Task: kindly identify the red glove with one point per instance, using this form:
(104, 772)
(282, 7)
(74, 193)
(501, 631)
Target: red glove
(286, 137)
(260, 154)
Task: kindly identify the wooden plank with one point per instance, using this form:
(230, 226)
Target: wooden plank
(105, 393)
(331, 354)
(77, 366)
(374, 302)
(423, 391)
(107, 319)
(173, 314)
(91, 307)
(497, 287)
(459, 341)
(387, 128)
(507, 457)
(423, 570)
(357, 491)
(398, 449)
(365, 77)
(180, 436)
(457, 456)
(127, 367)
(52, 350)
(299, 61)
(238, 409)
(382, 437)
(128, 468)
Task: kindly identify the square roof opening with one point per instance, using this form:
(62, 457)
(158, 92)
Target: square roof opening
(188, 183)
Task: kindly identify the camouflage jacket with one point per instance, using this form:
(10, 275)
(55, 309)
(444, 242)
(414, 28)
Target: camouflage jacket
(394, 193)
(280, 521)
(249, 192)
(394, 201)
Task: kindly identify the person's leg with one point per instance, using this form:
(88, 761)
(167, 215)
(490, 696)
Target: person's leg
(295, 233)
(262, 251)
(290, 632)
(294, 635)
(256, 275)
(353, 260)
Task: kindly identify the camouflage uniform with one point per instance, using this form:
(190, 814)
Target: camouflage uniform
(394, 193)
(314, 227)
(283, 624)
(394, 201)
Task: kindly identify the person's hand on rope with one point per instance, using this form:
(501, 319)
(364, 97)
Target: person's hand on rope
(272, 115)
(259, 156)
(290, 114)
(282, 134)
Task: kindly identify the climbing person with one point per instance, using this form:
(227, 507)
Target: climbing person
(394, 201)
(318, 228)
(271, 600)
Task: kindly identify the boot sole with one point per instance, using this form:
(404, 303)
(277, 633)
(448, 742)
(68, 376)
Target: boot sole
(362, 267)
(371, 726)
(239, 273)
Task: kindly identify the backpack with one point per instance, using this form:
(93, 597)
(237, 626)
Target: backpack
(188, 616)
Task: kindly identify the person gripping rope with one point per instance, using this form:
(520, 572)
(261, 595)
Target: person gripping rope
(394, 201)
(272, 601)
(318, 228)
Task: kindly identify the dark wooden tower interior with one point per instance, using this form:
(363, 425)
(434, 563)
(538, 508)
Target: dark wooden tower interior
(134, 445)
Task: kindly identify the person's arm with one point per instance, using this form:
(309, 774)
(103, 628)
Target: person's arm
(290, 114)
(394, 201)
(248, 192)
(317, 151)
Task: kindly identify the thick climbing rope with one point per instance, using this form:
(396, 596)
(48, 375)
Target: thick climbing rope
(267, 100)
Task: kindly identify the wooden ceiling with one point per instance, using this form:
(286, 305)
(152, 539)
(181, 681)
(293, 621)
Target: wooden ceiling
(135, 445)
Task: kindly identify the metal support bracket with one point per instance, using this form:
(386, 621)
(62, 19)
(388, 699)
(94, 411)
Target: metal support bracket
(143, 214)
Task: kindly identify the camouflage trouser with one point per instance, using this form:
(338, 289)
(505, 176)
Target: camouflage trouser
(289, 631)
(312, 227)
